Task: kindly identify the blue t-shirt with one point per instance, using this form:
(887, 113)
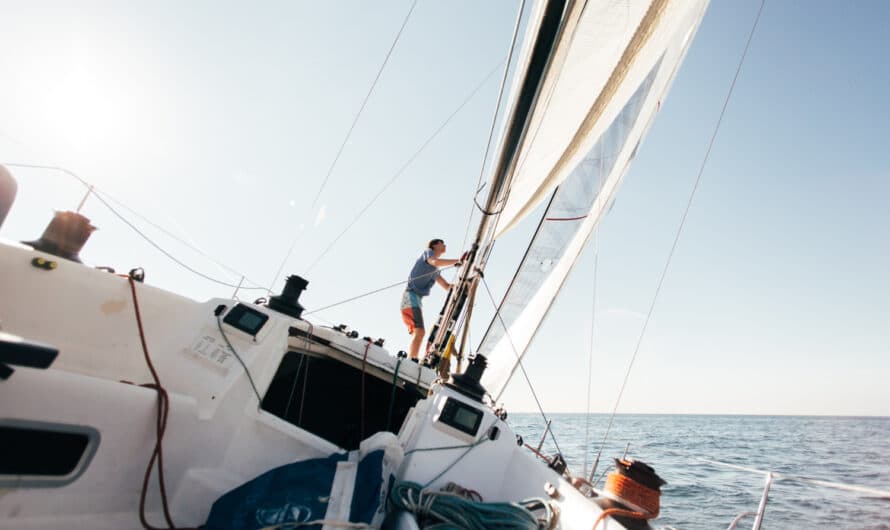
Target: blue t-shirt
(423, 275)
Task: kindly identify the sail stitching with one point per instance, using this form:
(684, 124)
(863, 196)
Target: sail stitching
(641, 36)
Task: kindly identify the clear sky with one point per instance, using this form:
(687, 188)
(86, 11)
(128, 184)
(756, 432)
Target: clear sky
(218, 122)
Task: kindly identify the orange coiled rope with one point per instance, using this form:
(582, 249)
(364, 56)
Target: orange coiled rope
(631, 492)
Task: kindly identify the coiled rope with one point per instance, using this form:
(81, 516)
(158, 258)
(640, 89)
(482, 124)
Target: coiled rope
(440, 509)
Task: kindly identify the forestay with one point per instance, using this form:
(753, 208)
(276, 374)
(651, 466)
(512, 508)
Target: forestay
(582, 136)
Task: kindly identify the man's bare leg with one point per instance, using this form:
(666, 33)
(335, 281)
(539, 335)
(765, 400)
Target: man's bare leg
(416, 341)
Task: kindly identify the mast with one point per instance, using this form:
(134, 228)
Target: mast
(550, 31)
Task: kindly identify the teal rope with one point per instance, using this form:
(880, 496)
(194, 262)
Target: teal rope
(392, 395)
(441, 510)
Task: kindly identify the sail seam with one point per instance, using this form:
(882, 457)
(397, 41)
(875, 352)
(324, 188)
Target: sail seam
(641, 36)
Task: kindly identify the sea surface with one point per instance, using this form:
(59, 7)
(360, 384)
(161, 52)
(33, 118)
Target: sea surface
(699, 494)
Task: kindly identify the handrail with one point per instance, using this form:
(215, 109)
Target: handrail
(762, 506)
(772, 476)
(738, 518)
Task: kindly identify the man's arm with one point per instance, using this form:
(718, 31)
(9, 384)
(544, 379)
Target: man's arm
(441, 281)
(441, 262)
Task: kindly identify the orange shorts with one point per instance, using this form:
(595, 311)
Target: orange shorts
(412, 311)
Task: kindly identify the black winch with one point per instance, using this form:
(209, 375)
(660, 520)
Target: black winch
(468, 383)
(288, 301)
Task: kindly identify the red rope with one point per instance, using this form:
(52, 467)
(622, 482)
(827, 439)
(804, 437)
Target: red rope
(565, 218)
(618, 511)
(539, 454)
(160, 427)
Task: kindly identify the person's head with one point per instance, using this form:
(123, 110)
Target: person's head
(437, 246)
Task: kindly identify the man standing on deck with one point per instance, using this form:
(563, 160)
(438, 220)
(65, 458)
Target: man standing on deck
(424, 274)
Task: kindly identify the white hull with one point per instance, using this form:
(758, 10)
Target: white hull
(217, 437)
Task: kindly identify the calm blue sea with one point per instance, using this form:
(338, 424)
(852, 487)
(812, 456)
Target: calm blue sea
(702, 495)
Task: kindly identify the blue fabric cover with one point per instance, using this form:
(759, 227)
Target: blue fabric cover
(297, 493)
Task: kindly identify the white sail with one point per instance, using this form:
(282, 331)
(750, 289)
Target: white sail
(606, 50)
(593, 165)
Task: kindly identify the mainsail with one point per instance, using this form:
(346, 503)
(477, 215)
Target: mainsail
(582, 135)
(606, 49)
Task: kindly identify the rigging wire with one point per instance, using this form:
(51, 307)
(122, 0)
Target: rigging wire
(157, 455)
(375, 291)
(680, 228)
(494, 118)
(405, 166)
(185, 243)
(590, 351)
(545, 107)
(519, 361)
(346, 138)
(98, 194)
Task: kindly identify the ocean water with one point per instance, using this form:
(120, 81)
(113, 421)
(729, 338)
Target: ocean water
(851, 450)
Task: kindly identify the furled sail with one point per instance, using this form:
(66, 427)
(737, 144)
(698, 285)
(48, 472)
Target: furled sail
(587, 162)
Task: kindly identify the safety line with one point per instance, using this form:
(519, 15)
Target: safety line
(779, 476)
(375, 291)
(96, 193)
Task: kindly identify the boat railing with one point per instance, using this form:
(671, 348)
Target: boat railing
(773, 476)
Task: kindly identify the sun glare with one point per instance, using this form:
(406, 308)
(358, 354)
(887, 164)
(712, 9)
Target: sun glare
(84, 109)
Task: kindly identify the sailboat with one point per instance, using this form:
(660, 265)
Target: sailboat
(123, 405)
